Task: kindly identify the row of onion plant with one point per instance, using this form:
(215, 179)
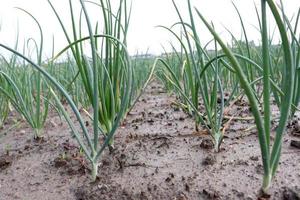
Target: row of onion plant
(196, 77)
(270, 152)
(110, 80)
(103, 72)
(32, 101)
(107, 77)
(257, 69)
(65, 71)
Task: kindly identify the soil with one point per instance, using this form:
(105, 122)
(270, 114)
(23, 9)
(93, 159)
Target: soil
(158, 155)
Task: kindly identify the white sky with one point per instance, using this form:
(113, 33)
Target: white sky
(145, 16)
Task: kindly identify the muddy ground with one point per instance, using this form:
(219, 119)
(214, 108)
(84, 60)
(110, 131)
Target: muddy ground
(158, 155)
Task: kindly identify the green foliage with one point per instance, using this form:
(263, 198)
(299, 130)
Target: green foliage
(107, 81)
(270, 154)
(98, 73)
(196, 77)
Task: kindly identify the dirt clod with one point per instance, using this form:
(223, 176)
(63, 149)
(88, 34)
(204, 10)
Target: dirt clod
(59, 162)
(209, 160)
(181, 196)
(70, 164)
(291, 194)
(207, 144)
(103, 188)
(210, 194)
(295, 143)
(187, 187)
(5, 161)
(263, 195)
(259, 169)
(254, 158)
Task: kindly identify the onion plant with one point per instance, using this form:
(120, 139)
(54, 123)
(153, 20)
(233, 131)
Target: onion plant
(295, 46)
(25, 89)
(92, 153)
(38, 102)
(143, 70)
(4, 108)
(175, 59)
(270, 153)
(22, 98)
(67, 74)
(107, 77)
(198, 77)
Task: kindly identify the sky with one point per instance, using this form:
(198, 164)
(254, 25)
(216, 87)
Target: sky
(146, 15)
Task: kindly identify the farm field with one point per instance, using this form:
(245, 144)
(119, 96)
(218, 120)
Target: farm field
(158, 156)
(213, 118)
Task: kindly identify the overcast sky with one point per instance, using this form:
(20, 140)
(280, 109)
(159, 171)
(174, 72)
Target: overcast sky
(145, 16)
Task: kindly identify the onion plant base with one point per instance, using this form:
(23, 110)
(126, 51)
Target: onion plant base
(217, 140)
(94, 173)
(38, 134)
(267, 180)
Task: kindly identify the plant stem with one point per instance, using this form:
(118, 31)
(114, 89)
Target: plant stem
(38, 133)
(218, 137)
(267, 179)
(94, 171)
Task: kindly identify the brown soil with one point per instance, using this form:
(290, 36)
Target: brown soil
(158, 155)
